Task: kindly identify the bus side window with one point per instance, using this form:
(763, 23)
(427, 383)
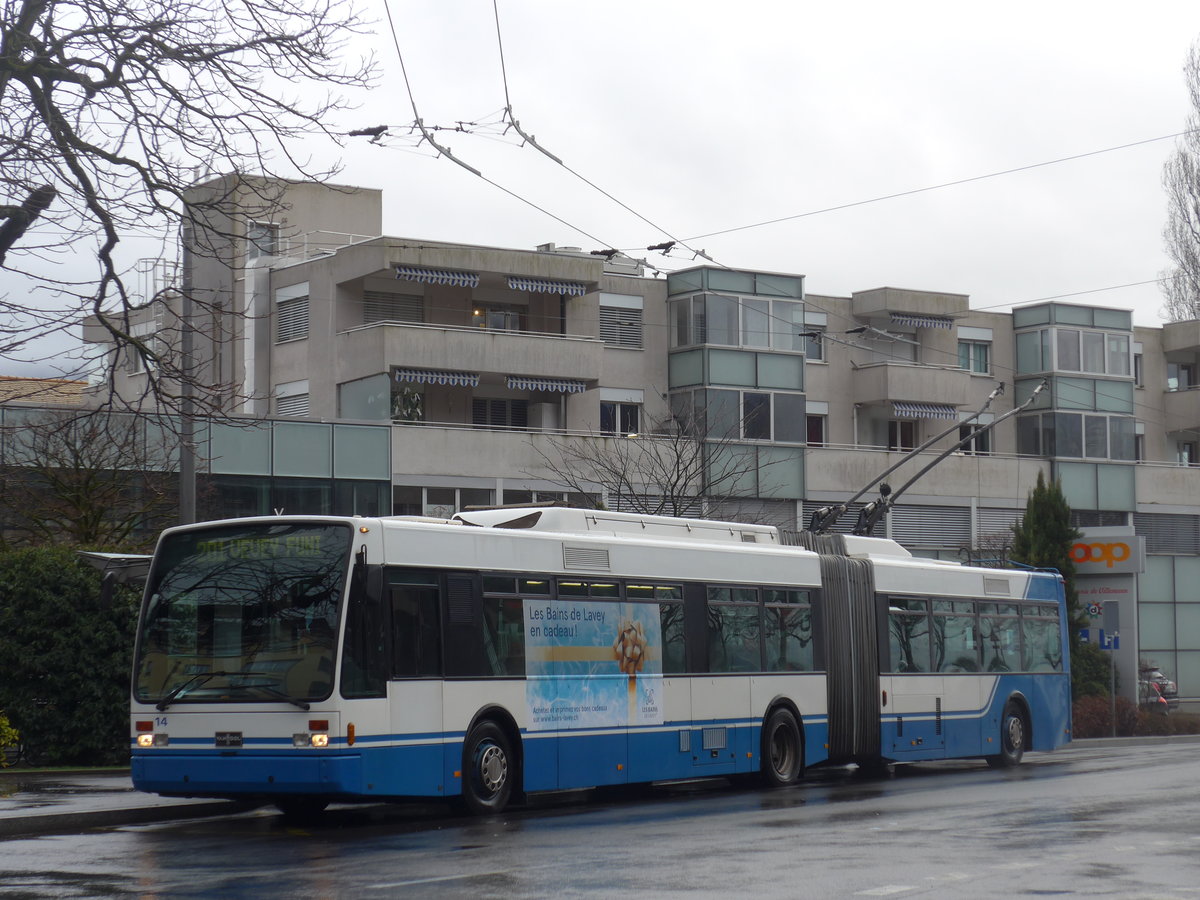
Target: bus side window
(1042, 644)
(364, 654)
(734, 630)
(416, 623)
(908, 633)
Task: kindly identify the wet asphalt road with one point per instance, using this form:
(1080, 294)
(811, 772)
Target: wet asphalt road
(1118, 822)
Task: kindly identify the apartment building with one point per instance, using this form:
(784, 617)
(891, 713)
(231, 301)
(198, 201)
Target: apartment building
(467, 368)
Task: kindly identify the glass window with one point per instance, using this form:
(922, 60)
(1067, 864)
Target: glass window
(787, 631)
(474, 497)
(979, 444)
(721, 319)
(674, 659)
(416, 623)
(262, 239)
(756, 416)
(1093, 352)
(618, 418)
(814, 343)
(1000, 640)
(504, 635)
(787, 323)
(1068, 349)
(1180, 376)
(681, 323)
(497, 318)
(816, 430)
(756, 322)
(790, 421)
(1095, 436)
(1118, 355)
(1030, 359)
(1029, 429)
(908, 639)
(974, 356)
(1042, 645)
(954, 645)
(734, 643)
(902, 434)
(721, 414)
(1068, 434)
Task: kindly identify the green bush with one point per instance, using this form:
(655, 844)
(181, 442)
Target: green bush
(1090, 673)
(1091, 717)
(64, 680)
(9, 737)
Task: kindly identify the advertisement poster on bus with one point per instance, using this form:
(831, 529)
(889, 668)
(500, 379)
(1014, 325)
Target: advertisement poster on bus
(592, 664)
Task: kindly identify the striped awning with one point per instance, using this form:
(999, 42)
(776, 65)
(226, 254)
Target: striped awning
(546, 286)
(558, 385)
(437, 276)
(905, 410)
(914, 321)
(437, 376)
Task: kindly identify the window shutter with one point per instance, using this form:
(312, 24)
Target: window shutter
(291, 320)
(295, 405)
(621, 326)
(384, 306)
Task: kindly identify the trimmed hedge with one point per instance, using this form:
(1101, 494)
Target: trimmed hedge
(1092, 717)
(64, 659)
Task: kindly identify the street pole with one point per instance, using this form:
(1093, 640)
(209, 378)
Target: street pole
(187, 448)
(1112, 687)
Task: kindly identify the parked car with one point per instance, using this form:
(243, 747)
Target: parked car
(1157, 692)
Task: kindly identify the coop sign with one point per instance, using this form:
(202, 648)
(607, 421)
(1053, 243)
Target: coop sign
(1108, 554)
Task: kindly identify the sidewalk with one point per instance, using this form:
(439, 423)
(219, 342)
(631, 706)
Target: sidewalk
(46, 802)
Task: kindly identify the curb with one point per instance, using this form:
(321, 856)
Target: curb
(1143, 740)
(71, 821)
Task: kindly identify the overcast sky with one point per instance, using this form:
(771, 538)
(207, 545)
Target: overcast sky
(704, 117)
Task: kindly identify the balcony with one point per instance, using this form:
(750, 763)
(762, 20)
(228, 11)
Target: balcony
(1182, 409)
(373, 348)
(1181, 337)
(883, 382)
(840, 472)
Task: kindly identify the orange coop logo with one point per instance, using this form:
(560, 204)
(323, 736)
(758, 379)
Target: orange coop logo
(1109, 552)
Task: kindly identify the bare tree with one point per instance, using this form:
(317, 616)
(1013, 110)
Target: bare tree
(1181, 234)
(101, 481)
(670, 470)
(110, 109)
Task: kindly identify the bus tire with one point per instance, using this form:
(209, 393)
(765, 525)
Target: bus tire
(487, 769)
(782, 749)
(1014, 737)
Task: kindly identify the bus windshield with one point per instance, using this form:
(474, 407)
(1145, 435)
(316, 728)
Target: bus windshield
(243, 613)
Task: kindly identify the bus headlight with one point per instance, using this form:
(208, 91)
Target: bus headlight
(158, 739)
(304, 739)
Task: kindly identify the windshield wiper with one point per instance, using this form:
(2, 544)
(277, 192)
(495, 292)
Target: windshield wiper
(196, 680)
(204, 677)
(275, 692)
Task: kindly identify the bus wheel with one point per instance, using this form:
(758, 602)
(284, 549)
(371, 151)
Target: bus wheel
(301, 810)
(782, 749)
(487, 769)
(1014, 736)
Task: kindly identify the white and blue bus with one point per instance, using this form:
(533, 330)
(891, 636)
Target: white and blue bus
(304, 660)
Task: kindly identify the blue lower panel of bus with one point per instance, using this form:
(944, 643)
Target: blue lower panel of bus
(375, 772)
(933, 733)
(552, 761)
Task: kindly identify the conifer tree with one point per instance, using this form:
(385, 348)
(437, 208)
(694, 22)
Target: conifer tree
(1043, 539)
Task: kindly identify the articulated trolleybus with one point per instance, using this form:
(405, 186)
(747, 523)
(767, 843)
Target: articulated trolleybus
(304, 660)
